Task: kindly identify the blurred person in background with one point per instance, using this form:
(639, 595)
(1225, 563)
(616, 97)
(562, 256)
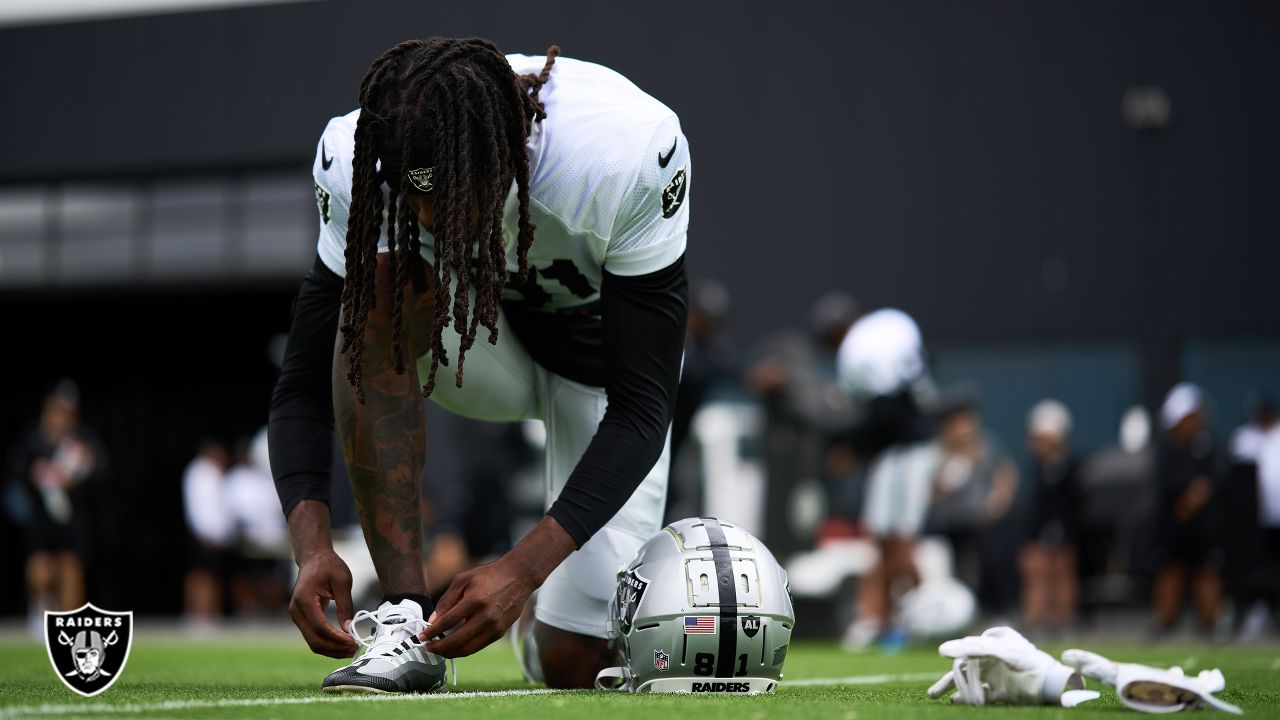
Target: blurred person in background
(212, 530)
(467, 491)
(262, 538)
(882, 367)
(708, 356)
(1050, 586)
(1269, 511)
(899, 485)
(806, 411)
(710, 362)
(1190, 549)
(953, 485)
(1117, 486)
(53, 465)
(1250, 572)
(972, 491)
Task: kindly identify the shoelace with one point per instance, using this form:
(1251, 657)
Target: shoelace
(389, 634)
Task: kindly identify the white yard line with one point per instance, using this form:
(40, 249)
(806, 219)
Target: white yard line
(862, 680)
(20, 711)
(101, 708)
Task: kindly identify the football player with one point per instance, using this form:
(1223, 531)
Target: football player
(542, 203)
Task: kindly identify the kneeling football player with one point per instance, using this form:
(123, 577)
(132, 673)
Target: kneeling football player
(542, 203)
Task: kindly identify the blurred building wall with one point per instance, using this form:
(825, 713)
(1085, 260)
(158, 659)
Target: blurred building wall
(967, 161)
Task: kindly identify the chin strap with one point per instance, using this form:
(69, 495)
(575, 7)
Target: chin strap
(617, 679)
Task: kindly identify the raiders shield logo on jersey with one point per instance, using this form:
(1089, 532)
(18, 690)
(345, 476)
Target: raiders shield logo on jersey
(673, 194)
(88, 647)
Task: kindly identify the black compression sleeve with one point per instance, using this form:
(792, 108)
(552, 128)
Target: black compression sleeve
(300, 428)
(643, 328)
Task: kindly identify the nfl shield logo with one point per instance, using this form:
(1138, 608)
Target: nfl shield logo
(88, 647)
(661, 660)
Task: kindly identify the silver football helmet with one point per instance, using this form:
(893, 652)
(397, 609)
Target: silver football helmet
(703, 608)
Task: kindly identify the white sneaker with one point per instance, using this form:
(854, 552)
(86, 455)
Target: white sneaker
(393, 660)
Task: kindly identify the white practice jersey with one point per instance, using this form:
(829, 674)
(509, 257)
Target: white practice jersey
(609, 175)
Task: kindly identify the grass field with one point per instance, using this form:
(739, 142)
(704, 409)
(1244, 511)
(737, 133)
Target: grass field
(277, 678)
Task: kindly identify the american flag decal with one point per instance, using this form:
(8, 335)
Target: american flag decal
(700, 625)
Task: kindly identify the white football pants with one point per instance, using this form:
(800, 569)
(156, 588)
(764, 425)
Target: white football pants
(502, 383)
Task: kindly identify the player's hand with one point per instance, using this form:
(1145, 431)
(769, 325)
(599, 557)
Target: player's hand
(477, 609)
(1193, 500)
(321, 578)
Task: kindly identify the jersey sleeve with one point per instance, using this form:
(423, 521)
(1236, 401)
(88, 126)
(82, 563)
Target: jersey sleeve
(652, 225)
(331, 171)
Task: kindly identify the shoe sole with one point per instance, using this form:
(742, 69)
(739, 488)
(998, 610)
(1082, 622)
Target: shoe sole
(364, 690)
(356, 690)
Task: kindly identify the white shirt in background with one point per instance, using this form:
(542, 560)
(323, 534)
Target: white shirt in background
(203, 495)
(255, 506)
(1269, 479)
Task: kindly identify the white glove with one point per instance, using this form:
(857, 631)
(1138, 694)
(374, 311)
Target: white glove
(1001, 666)
(1150, 689)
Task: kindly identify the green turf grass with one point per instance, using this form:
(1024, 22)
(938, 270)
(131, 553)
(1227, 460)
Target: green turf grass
(223, 674)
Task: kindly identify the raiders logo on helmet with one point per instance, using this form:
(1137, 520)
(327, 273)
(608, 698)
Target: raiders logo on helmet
(88, 646)
(630, 590)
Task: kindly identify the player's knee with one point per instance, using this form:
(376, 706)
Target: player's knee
(565, 674)
(571, 661)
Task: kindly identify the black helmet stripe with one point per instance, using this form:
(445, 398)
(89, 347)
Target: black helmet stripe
(728, 598)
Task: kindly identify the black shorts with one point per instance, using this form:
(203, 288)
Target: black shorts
(203, 556)
(1194, 546)
(45, 535)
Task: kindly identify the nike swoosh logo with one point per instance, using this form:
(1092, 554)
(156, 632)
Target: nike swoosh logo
(325, 162)
(662, 161)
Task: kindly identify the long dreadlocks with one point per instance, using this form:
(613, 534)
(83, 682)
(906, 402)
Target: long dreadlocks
(456, 106)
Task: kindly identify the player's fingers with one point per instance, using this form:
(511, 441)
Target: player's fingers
(447, 612)
(474, 635)
(317, 645)
(478, 642)
(449, 620)
(943, 686)
(461, 626)
(324, 638)
(345, 607)
(452, 594)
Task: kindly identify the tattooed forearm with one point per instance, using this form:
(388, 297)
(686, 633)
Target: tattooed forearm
(384, 445)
